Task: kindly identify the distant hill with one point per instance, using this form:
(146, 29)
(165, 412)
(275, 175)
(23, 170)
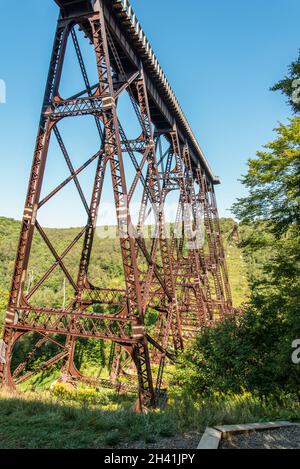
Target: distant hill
(106, 263)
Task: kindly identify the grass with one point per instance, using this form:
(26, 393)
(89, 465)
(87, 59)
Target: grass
(89, 419)
(237, 271)
(230, 408)
(41, 421)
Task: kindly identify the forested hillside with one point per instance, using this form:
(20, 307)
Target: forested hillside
(106, 266)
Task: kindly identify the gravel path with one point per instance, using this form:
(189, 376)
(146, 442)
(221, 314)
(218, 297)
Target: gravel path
(282, 438)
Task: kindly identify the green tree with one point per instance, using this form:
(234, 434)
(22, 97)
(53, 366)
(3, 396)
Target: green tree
(290, 85)
(253, 351)
(273, 181)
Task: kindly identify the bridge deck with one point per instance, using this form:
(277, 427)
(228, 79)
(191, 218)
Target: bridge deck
(135, 47)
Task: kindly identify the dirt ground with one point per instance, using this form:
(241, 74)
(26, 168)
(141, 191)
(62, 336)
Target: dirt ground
(282, 438)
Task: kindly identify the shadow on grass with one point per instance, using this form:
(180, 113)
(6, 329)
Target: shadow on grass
(29, 422)
(89, 419)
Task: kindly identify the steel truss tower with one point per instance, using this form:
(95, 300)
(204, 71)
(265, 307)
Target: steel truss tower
(182, 277)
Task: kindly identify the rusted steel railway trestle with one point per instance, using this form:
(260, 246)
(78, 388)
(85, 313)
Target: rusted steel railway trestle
(182, 278)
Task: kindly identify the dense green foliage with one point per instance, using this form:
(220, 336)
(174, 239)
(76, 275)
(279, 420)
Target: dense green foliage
(106, 269)
(253, 351)
(273, 180)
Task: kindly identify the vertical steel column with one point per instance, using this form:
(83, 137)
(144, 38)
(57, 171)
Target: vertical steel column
(161, 236)
(113, 153)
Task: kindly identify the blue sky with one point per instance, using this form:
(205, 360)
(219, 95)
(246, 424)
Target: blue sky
(220, 57)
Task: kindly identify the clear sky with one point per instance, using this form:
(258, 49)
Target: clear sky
(221, 58)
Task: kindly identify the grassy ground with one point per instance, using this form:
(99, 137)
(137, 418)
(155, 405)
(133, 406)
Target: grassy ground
(237, 270)
(90, 419)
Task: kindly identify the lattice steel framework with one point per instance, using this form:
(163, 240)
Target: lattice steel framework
(180, 277)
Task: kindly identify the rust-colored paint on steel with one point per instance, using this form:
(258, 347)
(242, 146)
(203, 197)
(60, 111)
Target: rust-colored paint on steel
(185, 283)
